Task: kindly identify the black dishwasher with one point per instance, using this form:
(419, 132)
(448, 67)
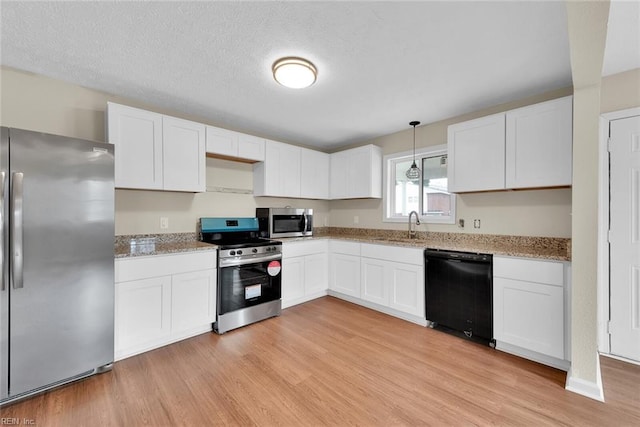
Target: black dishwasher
(459, 294)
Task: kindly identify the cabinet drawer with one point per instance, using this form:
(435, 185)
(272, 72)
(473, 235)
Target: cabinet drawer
(341, 247)
(393, 253)
(293, 249)
(127, 269)
(547, 272)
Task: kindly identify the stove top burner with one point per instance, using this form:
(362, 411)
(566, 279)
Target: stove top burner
(237, 237)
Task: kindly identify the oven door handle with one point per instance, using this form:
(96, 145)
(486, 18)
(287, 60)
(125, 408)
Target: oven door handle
(236, 262)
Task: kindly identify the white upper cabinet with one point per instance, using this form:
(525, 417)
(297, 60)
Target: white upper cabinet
(356, 173)
(476, 152)
(156, 152)
(279, 174)
(539, 145)
(137, 135)
(227, 143)
(529, 147)
(314, 178)
(183, 155)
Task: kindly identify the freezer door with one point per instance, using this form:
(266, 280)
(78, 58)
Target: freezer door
(61, 278)
(4, 288)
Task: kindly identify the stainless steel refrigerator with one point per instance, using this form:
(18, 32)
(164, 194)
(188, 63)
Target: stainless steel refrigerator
(57, 281)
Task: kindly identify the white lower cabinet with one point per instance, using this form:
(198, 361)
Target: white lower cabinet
(382, 277)
(143, 313)
(394, 277)
(407, 288)
(373, 286)
(530, 309)
(305, 268)
(162, 299)
(344, 267)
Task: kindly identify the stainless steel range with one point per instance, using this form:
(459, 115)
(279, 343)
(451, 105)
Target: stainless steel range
(249, 272)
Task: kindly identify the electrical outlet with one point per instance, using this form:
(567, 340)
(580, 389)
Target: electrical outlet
(356, 219)
(476, 223)
(164, 222)
(461, 223)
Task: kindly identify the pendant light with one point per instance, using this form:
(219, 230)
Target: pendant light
(413, 174)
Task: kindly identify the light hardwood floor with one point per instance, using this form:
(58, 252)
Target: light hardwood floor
(332, 362)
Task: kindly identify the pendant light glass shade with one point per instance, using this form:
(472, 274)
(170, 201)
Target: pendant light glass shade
(413, 174)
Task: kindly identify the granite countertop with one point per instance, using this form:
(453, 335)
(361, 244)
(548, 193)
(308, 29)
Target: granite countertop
(550, 248)
(519, 246)
(158, 244)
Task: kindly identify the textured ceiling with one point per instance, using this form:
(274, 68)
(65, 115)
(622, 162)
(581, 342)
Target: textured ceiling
(381, 64)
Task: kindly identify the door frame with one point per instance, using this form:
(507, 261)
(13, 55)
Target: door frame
(603, 300)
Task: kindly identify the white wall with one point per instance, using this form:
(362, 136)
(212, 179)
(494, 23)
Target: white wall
(527, 213)
(46, 105)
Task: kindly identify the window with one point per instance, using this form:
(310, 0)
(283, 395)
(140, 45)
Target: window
(428, 195)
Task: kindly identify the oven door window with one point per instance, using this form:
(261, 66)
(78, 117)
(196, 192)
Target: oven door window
(247, 285)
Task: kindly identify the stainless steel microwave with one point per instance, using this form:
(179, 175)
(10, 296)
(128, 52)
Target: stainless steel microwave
(285, 222)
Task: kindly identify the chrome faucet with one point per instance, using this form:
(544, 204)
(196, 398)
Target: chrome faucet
(413, 233)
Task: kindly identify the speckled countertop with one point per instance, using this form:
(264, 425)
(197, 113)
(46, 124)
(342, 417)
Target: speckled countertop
(520, 246)
(158, 244)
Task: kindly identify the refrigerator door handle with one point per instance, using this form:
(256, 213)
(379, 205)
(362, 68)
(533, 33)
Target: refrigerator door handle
(2, 281)
(16, 229)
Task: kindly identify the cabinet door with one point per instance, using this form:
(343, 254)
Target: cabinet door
(476, 152)
(529, 315)
(193, 300)
(339, 172)
(345, 274)
(222, 141)
(183, 155)
(143, 314)
(359, 173)
(292, 280)
(316, 272)
(314, 179)
(407, 288)
(137, 135)
(539, 145)
(374, 285)
(251, 147)
(280, 171)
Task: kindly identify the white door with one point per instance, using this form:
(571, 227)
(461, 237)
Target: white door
(625, 237)
(193, 300)
(183, 155)
(292, 280)
(373, 283)
(316, 269)
(137, 135)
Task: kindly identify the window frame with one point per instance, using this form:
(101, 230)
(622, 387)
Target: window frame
(388, 193)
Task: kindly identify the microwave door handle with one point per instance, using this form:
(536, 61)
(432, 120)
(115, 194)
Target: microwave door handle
(306, 222)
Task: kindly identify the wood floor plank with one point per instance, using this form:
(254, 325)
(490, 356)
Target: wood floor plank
(329, 362)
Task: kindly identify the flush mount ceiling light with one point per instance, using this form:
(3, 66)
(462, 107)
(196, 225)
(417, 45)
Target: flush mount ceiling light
(296, 73)
(413, 174)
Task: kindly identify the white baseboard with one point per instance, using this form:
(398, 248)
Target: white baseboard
(554, 362)
(377, 307)
(592, 390)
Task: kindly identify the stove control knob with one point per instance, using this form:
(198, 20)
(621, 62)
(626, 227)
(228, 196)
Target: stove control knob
(254, 250)
(273, 248)
(239, 252)
(268, 249)
(232, 252)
